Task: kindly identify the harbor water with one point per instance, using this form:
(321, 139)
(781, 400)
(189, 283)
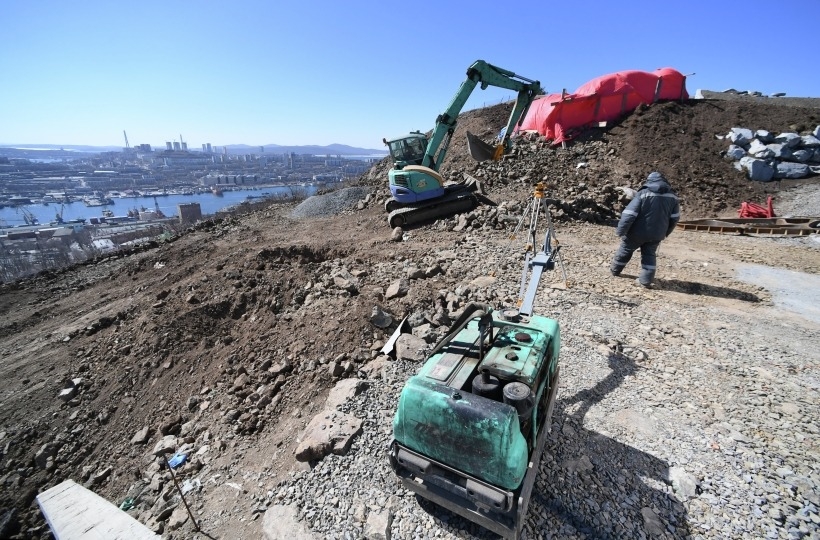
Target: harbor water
(209, 203)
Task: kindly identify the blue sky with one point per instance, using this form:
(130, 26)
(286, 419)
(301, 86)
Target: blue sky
(311, 72)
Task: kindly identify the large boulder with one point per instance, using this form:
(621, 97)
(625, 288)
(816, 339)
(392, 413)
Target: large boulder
(780, 151)
(741, 136)
(809, 141)
(789, 170)
(792, 140)
(734, 152)
(760, 150)
(330, 431)
(756, 169)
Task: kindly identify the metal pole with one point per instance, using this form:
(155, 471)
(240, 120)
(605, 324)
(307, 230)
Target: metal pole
(173, 476)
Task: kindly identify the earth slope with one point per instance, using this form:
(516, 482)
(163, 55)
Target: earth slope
(227, 338)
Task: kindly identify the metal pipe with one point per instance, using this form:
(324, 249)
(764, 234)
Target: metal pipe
(173, 476)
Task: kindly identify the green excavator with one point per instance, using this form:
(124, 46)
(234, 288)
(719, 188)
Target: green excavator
(418, 190)
(470, 427)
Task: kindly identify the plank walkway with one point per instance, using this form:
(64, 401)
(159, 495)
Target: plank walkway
(75, 513)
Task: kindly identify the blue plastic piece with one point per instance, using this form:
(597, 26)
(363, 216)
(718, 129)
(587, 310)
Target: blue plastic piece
(177, 460)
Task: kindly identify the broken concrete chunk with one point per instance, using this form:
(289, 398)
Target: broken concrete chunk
(760, 150)
(344, 391)
(281, 523)
(165, 445)
(741, 136)
(67, 394)
(141, 436)
(378, 524)
(410, 347)
(810, 141)
(397, 289)
(380, 318)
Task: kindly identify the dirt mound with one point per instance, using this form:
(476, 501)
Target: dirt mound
(678, 139)
(227, 336)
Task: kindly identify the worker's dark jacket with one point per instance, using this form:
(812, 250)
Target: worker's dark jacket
(652, 215)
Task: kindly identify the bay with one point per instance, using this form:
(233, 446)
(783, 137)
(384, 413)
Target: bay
(209, 204)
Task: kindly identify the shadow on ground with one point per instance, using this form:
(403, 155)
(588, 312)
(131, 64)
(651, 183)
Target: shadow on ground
(697, 289)
(591, 485)
(701, 289)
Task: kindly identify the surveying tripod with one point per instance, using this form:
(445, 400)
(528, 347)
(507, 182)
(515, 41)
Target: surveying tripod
(545, 258)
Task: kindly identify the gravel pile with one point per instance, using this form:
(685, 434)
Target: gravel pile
(799, 201)
(672, 421)
(330, 204)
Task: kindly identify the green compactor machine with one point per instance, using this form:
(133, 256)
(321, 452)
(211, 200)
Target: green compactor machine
(470, 427)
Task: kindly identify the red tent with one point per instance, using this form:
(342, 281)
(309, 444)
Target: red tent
(602, 99)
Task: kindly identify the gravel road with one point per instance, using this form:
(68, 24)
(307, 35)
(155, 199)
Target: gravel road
(685, 411)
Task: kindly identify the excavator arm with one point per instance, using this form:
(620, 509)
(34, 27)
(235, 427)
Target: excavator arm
(483, 74)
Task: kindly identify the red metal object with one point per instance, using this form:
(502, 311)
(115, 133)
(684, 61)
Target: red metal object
(752, 210)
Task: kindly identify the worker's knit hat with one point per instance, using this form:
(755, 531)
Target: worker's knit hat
(655, 177)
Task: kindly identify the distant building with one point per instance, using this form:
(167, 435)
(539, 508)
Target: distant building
(189, 212)
(168, 145)
(177, 146)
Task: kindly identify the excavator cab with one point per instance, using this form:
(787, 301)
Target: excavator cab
(408, 150)
(410, 182)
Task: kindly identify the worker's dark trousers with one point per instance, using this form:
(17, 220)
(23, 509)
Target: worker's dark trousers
(649, 251)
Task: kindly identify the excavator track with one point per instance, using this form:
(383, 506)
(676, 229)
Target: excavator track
(454, 203)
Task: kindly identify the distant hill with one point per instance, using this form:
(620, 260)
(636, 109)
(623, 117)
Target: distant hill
(332, 149)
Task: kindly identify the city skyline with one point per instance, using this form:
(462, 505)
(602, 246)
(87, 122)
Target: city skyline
(315, 74)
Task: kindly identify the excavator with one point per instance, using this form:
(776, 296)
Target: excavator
(470, 427)
(418, 190)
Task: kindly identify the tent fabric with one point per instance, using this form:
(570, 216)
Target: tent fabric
(602, 99)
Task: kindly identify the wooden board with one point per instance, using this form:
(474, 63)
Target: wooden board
(75, 513)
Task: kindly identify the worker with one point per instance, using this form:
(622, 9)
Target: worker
(648, 219)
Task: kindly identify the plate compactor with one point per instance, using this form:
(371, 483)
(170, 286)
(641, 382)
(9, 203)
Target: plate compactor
(471, 425)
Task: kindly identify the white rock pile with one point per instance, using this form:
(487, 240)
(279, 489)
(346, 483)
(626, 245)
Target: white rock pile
(766, 157)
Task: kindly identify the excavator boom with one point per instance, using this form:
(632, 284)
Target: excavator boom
(415, 179)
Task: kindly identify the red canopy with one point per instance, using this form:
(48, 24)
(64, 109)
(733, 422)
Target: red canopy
(602, 99)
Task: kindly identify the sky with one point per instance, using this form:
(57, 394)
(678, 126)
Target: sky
(323, 72)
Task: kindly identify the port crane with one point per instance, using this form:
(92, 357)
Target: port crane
(28, 217)
(59, 216)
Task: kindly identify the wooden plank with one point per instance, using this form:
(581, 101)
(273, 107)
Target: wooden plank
(75, 513)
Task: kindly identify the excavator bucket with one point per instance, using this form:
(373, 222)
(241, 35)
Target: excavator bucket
(480, 150)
